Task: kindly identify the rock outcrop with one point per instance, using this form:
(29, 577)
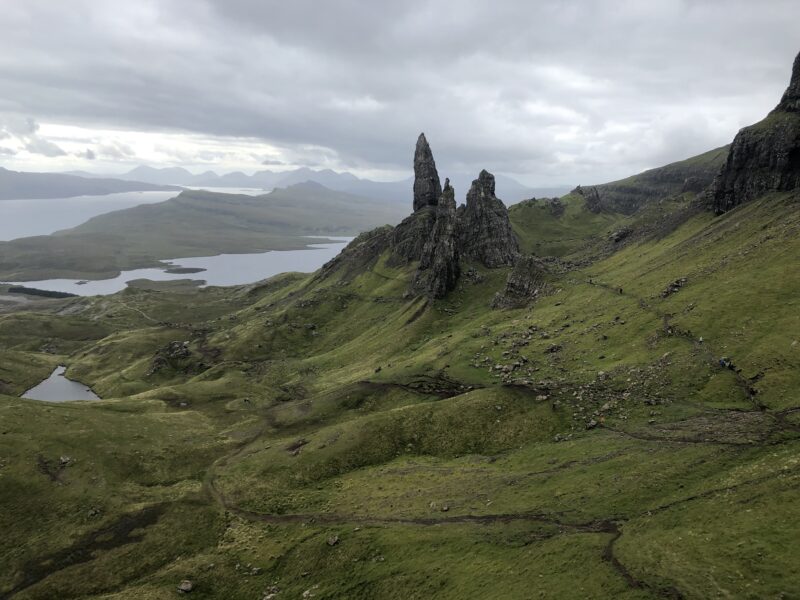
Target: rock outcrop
(410, 235)
(439, 235)
(485, 230)
(439, 269)
(764, 157)
(427, 188)
(359, 254)
(525, 283)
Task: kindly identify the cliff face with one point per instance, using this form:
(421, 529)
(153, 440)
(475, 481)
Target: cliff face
(485, 231)
(764, 157)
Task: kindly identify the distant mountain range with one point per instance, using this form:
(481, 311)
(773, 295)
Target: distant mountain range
(508, 189)
(18, 185)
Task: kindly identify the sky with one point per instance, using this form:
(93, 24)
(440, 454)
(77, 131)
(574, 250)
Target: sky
(551, 92)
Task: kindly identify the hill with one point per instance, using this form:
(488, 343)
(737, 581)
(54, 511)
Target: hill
(15, 185)
(194, 223)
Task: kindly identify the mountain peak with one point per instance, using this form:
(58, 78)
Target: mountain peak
(791, 97)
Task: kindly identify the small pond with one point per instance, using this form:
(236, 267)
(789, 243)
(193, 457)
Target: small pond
(57, 388)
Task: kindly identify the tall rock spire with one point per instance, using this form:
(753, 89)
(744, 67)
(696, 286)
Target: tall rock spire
(438, 265)
(427, 188)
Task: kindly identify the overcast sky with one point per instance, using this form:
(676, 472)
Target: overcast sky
(550, 92)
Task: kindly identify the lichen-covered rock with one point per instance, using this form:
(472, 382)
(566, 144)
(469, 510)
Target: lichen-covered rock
(438, 269)
(525, 283)
(484, 228)
(764, 157)
(427, 188)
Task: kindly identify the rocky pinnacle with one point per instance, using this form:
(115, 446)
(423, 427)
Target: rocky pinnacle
(427, 188)
(439, 266)
(484, 227)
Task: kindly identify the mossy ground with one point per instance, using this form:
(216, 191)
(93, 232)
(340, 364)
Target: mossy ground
(589, 446)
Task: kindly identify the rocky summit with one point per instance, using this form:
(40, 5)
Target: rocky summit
(764, 157)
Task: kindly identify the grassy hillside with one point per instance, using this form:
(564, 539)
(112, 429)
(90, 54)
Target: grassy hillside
(329, 437)
(194, 223)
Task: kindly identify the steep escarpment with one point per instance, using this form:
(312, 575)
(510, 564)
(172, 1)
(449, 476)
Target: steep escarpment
(764, 157)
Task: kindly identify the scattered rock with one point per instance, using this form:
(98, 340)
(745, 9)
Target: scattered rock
(333, 540)
(185, 586)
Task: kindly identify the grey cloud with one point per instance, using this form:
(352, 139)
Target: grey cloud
(272, 161)
(7, 151)
(552, 91)
(116, 150)
(88, 154)
(36, 145)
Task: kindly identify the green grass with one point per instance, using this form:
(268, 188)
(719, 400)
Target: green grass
(627, 463)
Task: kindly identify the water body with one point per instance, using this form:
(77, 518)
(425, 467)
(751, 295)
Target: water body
(24, 218)
(57, 388)
(223, 269)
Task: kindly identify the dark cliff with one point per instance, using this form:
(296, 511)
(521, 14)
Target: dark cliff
(764, 157)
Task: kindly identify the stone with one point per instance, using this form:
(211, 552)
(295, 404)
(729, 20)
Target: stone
(427, 188)
(525, 283)
(764, 157)
(333, 540)
(439, 268)
(484, 227)
(185, 586)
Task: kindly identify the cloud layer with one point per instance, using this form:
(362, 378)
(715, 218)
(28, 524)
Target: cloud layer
(551, 92)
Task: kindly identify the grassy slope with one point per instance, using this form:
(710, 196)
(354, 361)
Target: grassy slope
(317, 407)
(195, 223)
